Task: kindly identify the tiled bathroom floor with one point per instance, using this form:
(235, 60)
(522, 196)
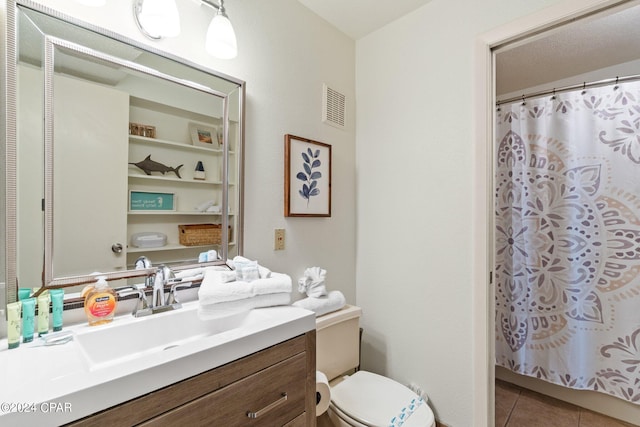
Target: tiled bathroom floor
(518, 407)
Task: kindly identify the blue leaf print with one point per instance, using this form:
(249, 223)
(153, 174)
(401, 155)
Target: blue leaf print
(311, 177)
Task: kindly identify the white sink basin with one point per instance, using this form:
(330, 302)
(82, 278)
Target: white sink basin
(132, 338)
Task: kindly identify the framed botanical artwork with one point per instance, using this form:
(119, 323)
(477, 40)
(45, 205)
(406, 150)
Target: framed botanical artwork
(307, 177)
(204, 135)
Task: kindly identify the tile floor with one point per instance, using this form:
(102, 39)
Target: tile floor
(519, 407)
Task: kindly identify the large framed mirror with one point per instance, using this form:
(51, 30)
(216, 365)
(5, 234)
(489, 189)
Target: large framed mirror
(114, 152)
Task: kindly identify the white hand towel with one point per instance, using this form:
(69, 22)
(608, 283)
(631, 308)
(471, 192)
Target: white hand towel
(212, 291)
(212, 311)
(313, 282)
(323, 305)
(240, 262)
(218, 277)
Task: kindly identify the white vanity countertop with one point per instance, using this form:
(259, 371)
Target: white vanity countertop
(54, 385)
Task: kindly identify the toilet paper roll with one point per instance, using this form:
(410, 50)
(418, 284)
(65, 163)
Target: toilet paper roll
(323, 393)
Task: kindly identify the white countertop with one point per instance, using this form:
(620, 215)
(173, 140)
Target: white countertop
(49, 386)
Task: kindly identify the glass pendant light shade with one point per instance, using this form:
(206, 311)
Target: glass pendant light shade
(160, 18)
(221, 39)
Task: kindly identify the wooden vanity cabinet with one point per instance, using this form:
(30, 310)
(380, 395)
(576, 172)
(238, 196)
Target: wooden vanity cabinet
(273, 387)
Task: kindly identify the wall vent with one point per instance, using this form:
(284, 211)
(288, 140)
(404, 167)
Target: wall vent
(333, 107)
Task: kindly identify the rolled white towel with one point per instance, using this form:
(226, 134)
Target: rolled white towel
(323, 305)
(213, 311)
(313, 282)
(212, 291)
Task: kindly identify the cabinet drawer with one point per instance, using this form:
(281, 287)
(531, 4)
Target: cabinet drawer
(275, 396)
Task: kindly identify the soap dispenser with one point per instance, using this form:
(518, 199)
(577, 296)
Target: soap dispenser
(100, 302)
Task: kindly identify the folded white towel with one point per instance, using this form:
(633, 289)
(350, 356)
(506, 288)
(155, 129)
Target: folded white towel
(323, 305)
(218, 277)
(213, 311)
(239, 263)
(189, 272)
(313, 282)
(212, 291)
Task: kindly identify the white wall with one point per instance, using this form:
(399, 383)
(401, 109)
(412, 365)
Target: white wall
(285, 55)
(418, 172)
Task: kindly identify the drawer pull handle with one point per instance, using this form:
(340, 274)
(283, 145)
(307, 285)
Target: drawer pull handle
(254, 415)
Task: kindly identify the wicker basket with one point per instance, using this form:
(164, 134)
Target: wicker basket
(201, 234)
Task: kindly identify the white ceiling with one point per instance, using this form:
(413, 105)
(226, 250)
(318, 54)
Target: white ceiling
(577, 48)
(357, 18)
(583, 46)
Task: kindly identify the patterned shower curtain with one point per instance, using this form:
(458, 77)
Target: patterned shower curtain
(568, 239)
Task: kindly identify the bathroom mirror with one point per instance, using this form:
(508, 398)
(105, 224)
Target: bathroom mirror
(121, 152)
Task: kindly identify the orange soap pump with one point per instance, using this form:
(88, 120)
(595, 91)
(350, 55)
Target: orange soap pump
(100, 302)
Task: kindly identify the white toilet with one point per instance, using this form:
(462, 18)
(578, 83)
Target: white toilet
(362, 399)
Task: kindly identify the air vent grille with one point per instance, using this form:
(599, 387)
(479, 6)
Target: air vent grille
(333, 107)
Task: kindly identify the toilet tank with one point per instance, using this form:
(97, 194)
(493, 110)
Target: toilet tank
(338, 341)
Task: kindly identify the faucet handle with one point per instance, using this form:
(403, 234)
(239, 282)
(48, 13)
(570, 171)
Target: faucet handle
(141, 305)
(173, 295)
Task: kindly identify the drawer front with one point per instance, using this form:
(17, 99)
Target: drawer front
(271, 397)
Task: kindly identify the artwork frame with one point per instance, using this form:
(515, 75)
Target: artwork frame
(151, 201)
(204, 135)
(307, 177)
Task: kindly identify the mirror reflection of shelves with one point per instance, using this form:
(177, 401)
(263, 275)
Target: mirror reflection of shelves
(175, 148)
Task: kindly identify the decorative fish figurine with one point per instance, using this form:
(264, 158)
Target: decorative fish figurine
(148, 166)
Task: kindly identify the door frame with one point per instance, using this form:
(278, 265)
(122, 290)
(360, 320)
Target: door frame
(483, 182)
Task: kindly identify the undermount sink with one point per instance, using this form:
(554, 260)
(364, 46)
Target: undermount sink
(131, 338)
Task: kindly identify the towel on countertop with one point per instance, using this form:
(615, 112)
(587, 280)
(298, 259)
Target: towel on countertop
(323, 305)
(213, 292)
(313, 282)
(218, 277)
(212, 311)
(246, 269)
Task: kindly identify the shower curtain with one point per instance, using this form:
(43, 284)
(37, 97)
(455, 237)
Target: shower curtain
(567, 265)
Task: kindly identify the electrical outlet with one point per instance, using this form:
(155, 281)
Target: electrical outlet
(278, 244)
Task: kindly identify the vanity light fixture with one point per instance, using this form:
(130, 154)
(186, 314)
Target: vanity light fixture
(157, 18)
(221, 39)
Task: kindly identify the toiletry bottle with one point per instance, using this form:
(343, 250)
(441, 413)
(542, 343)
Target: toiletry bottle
(13, 324)
(100, 303)
(57, 307)
(28, 319)
(43, 313)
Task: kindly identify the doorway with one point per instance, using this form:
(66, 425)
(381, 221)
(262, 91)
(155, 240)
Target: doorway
(583, 48)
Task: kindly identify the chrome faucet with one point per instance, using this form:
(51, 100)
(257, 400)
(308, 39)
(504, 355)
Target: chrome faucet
(155, 284)
(162, 277)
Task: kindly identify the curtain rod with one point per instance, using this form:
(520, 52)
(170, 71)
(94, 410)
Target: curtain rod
(569, 88)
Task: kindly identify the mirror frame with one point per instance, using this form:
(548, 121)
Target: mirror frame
(11, 128)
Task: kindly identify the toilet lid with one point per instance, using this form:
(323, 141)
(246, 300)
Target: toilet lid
(374, 400)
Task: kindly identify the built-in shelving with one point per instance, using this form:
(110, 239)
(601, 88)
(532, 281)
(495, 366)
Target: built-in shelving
(173, 146)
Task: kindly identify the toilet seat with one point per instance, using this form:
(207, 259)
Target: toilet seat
(371, 400)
